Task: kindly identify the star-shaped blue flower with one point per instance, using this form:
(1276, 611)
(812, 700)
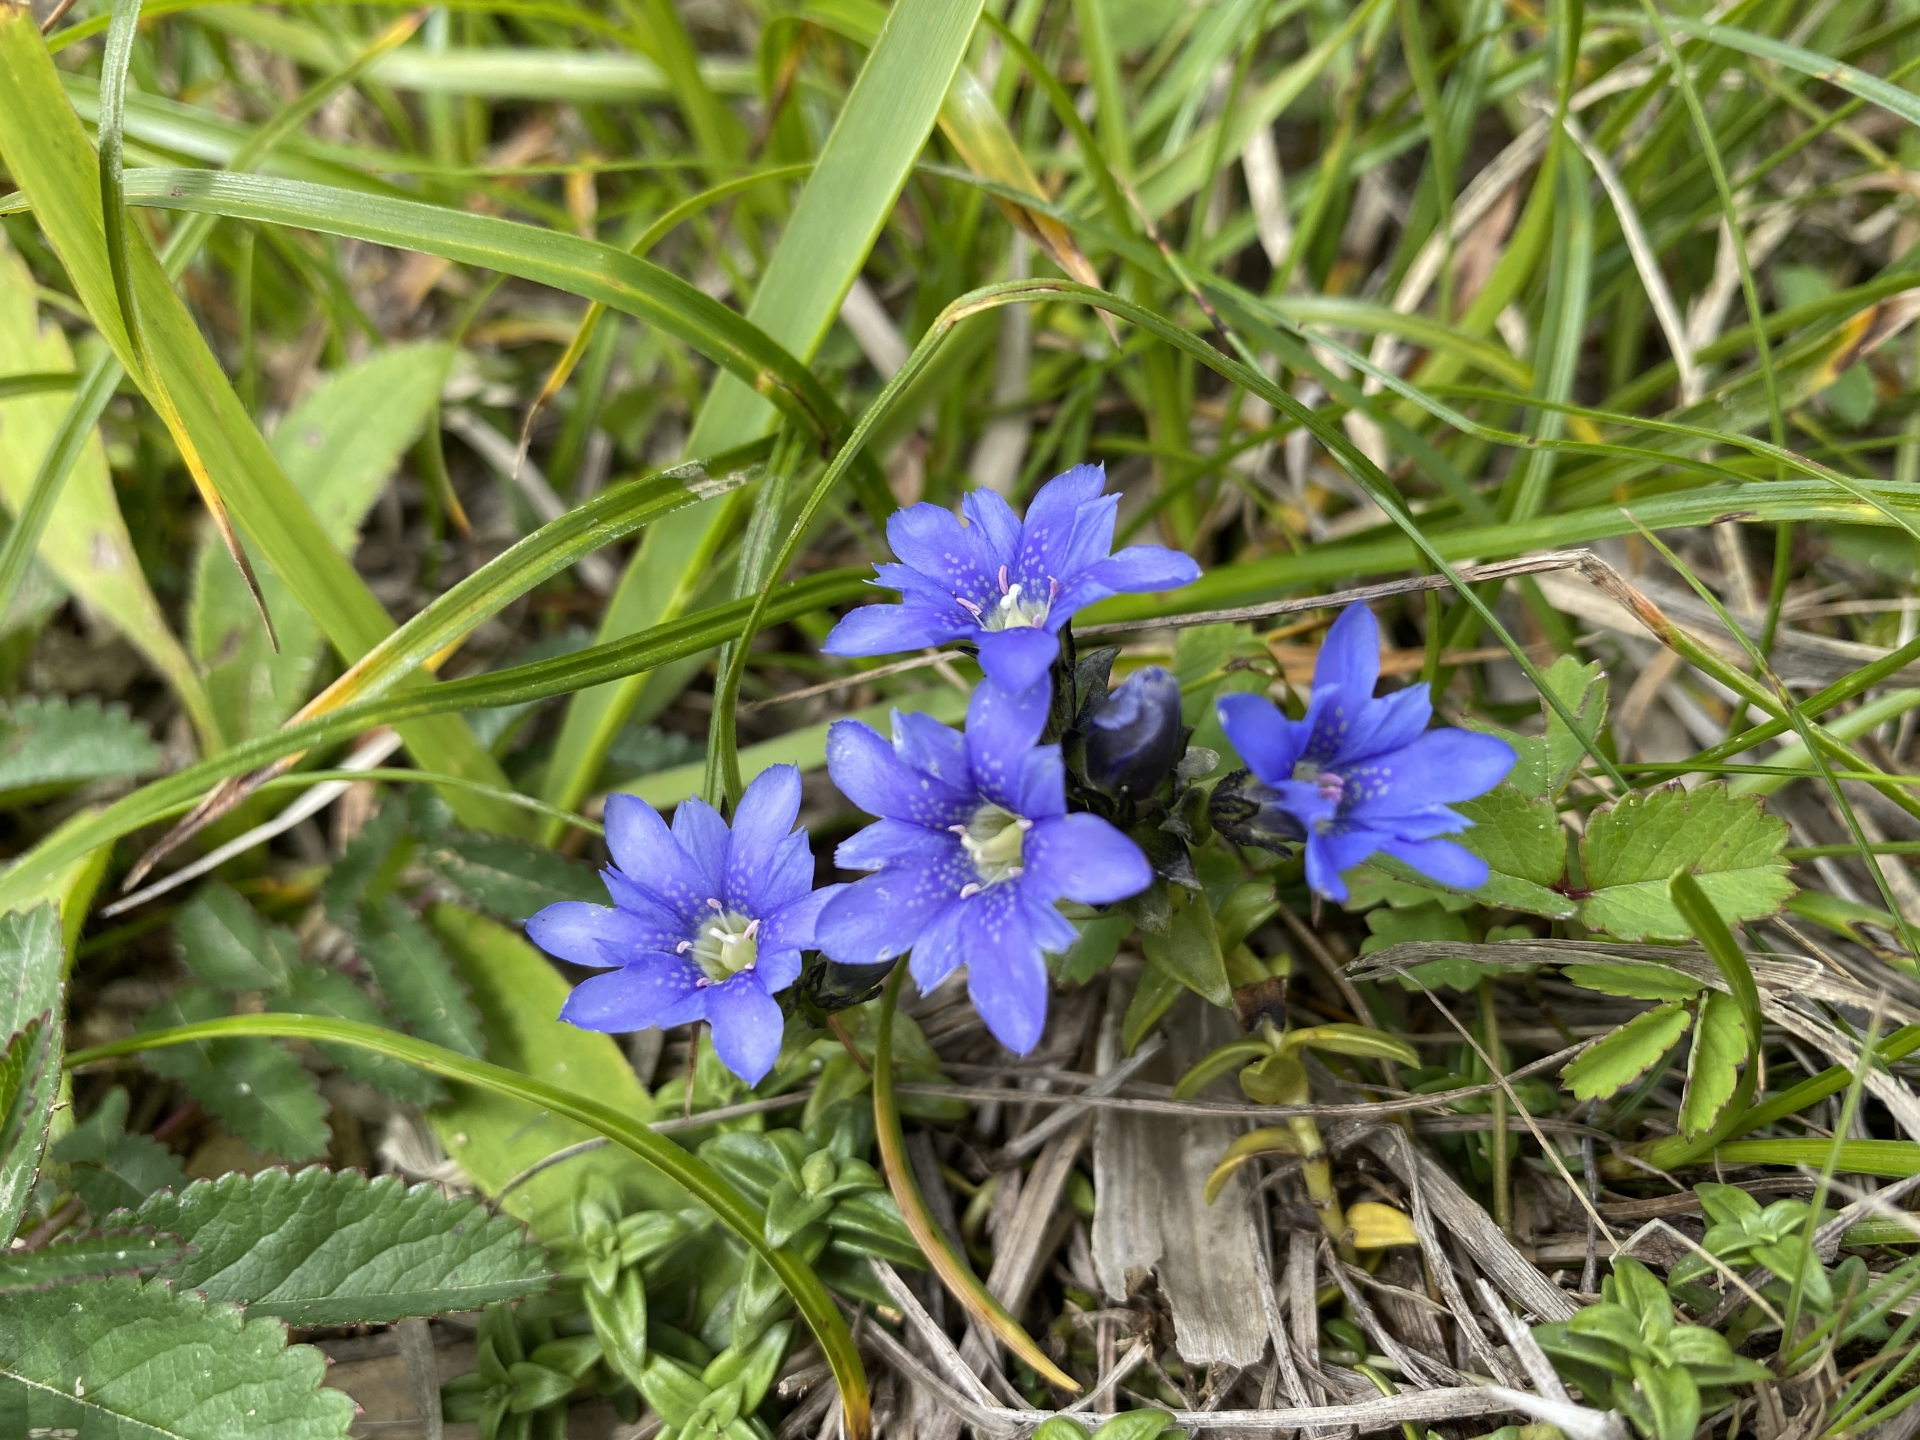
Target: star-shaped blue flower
(707, 923)
(973, 847)
(1005, 585)
(1365, 775)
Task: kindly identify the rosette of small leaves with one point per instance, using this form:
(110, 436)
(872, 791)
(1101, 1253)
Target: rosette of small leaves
(822, 1200)
(518, 1391)
(716, 1401)
(618, 1255)
(1630, 1352)
(1742, 1234)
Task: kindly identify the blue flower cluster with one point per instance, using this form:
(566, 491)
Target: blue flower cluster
(979, 833)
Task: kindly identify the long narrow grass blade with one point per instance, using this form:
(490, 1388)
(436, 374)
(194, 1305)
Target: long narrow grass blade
(47, 154)
(859, 175)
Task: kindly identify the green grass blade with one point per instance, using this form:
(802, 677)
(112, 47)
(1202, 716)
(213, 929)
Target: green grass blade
(858, 177)
(47, 153)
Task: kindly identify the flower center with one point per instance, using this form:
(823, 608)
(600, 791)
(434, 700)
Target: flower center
(724, 946)
(1330, 783)
(1017, 608)
(993, 840)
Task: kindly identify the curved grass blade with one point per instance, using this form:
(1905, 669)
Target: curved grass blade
(454, 614)
(681, 1166)
(113, 210)
(953, 1271)
(856, 181)
(520, 685)
(563, 368)
(578, 266)
(47, 153)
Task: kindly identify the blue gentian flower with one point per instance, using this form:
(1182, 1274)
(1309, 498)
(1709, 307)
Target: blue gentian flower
(973, 847)
(1365, 775)
(1004, 585)
(707, 923)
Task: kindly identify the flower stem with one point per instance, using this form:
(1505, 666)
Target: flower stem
(1317, 1171)
(953, 1271)
(685, 1169)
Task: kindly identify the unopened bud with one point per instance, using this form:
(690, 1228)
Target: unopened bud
(1136, 738)
(1248, 812)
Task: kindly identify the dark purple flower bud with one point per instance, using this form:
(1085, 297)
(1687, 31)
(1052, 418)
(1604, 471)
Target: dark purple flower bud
(1248, 812)
(1136, 738)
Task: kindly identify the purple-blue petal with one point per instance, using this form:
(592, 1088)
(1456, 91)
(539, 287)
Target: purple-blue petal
(1395, 720)
(671, 924)
(896, 842)
(1006, 978)
(1051, 930)
(888, 629)
(1084, 858)
(1268, 741)
(645, 851)
(939, 952)
(1440, 860)
(1042, 789)
(1092, 538)
(1002, 726)
(997, 526)
(777, 969)
(792, 926)
(1018, 659)
(932, 748)
(762, 825)
(703, 836)
(1141, 568)
(876, 779)
(652, 991)
(746, 1026)
(934, 542)
(1349, 657)
(1057, 540)
(1435, 768)
(596, 935)
(790, 876)
(882, 916)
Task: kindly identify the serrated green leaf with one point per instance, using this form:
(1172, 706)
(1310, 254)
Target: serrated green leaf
(1611, 1064)
(1634, 982)
(1719, 1045)
(331, 1247)
(110, 1169)
(317, 990)
(123, 1360)
(253, 1087)
(87, 1257)
(1544, 763)
(1385, 878)
(509, 878)
(1633, 848)
(416, 976)
(338, 446)
(1515, 835)
(225, 943)
(49, 743)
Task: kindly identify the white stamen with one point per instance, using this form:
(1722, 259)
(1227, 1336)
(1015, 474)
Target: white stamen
(967, 892)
